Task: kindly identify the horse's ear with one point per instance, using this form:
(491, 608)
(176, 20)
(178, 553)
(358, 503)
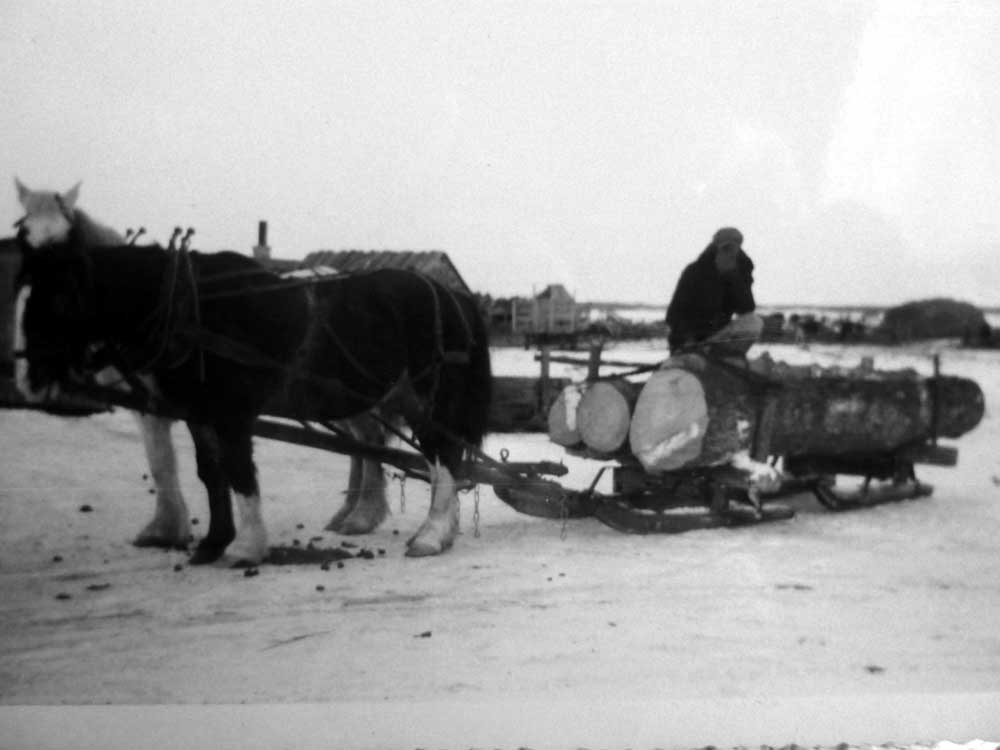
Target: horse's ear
(22, 192)
(70, 196)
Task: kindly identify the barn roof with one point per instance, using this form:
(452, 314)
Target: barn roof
(280, 265)
(434, 263)
(554, 291)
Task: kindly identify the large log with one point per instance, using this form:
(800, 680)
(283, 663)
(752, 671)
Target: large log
(605, 413)
(692, 413)
(671, 418)
(562, 425)
(700, 413)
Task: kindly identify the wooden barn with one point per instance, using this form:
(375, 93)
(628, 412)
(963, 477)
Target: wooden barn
(552, 311)
(434, 263)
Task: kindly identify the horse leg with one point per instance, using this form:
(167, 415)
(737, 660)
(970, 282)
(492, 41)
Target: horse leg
(365, 505)
(350, 496)
(208, 454)
(170, 527)
(250, 546)
(438, 531)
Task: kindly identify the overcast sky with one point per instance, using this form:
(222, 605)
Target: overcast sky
(594, 144)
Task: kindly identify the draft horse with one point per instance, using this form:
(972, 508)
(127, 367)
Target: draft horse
(48, 218)
(217, 337)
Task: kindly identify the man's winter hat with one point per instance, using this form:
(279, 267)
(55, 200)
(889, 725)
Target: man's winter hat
(727, 236)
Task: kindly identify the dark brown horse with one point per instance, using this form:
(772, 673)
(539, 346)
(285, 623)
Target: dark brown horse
(217, 337)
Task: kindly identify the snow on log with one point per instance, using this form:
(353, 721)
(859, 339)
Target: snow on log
(711, 419)
(671, 416)
(562, 416)
(604, 414)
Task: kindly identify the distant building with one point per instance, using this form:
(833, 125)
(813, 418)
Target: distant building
(499, 313)
(552, 311)
(434, 263)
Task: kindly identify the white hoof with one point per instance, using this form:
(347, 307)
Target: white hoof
(166, 534)
(250, 545)
(247, 554)
(433, 538)
(364, 518)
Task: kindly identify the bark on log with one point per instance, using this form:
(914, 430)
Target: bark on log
(836, 416)
(605, 413)
(698, 413)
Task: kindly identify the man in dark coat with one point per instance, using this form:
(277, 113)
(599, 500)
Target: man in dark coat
(710, 291)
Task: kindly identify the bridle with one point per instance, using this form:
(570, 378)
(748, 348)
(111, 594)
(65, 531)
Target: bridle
(66, 211)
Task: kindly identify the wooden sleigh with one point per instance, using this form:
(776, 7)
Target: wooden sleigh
(758, 435)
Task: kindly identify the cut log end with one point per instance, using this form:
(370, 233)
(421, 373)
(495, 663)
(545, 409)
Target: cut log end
(961, 405)
(670, 421)
(562, 420)
(605, 413)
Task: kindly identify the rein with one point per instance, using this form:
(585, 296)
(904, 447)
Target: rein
(178, 304)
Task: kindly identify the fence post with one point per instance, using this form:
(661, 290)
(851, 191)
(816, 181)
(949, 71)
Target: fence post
(594, 366)
(543, 379)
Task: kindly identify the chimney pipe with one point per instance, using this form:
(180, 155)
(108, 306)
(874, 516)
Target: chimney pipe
(262, 251)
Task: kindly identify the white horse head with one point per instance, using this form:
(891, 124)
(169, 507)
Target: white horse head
(49, 216)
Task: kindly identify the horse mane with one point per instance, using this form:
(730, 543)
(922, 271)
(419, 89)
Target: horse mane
(91, 232)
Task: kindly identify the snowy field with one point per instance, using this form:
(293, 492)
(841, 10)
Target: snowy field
(866, 627)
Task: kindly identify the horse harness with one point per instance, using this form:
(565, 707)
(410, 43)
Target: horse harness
(444, 356)
(176, 332)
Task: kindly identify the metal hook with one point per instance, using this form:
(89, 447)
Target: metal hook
(186, 242)
(172, 245)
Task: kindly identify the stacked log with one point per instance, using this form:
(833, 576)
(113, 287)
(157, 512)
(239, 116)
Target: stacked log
(563, 429)
(671, 420)
(692, 413)
(605, 414)
(595, 416)
(695, 412)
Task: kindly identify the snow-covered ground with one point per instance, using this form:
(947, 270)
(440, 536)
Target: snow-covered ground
(864, 627)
